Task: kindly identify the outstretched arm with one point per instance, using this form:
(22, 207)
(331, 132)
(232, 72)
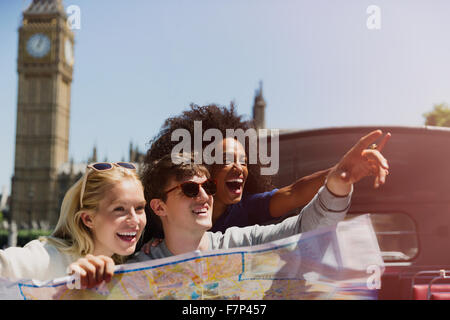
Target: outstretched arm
(359, 162)
(330, 204)
(297, 194)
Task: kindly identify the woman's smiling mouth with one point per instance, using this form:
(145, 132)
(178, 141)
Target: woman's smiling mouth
(127, 236)
(235, 185)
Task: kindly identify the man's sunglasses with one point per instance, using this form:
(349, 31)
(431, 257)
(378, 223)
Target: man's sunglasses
(102, 166)
(191, 189)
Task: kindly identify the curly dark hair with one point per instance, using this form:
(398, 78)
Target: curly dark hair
(212, 117)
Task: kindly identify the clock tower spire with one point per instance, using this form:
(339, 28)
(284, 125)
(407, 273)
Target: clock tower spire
(45, 67)
(259, 108)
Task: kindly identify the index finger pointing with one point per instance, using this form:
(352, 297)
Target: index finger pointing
(384, 141)
(368, 139)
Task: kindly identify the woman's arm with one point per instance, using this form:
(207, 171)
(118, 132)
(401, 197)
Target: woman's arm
(332, 202)
(297, 194)
(30, 262)
(325, 209)
(40, 261)
(359, 162)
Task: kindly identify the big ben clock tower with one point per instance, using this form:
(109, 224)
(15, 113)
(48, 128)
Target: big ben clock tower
(45, 65)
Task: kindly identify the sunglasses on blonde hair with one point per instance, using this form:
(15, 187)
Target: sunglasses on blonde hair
(102, 166)
(191, 189)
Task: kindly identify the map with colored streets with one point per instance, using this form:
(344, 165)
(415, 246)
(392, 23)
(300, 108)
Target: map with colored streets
(340, 262)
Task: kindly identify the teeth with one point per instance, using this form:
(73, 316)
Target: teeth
(236, 180)
(200, 211)
(127, 234)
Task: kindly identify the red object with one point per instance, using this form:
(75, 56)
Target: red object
(438, 292)
(440, 296)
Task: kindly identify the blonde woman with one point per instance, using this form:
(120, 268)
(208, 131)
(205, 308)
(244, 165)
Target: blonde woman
(101, 220)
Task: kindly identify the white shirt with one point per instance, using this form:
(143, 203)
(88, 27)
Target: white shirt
(36, 260)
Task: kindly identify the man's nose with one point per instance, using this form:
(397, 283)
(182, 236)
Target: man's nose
(202, 194)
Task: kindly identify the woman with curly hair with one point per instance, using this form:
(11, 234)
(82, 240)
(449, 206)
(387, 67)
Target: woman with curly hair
(259, 202)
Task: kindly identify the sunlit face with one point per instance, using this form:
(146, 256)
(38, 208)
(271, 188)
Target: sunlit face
(183, 212)
(231, 177)
(120, 219)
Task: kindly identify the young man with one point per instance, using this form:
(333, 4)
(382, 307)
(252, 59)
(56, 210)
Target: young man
(181, 195)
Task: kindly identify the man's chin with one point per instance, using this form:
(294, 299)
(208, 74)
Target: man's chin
(204, 221)
(206, 226)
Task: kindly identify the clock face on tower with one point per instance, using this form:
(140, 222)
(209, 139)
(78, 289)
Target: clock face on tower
(38, 45)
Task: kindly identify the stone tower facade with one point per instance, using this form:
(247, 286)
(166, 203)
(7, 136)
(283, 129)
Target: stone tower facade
(45, 67)
(259, 109)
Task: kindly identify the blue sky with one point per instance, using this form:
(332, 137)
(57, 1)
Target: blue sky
(138, 62)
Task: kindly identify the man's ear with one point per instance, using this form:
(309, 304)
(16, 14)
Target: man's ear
(87, 219)
(158, 206)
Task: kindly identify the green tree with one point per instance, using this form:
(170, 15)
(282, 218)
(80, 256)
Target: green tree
(439, 116)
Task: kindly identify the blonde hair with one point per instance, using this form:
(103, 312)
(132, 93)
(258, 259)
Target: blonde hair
(71, 235)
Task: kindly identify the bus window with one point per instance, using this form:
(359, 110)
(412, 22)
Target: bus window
(396, 234)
